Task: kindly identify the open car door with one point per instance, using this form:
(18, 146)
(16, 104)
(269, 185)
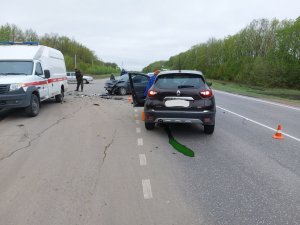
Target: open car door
(138, 83)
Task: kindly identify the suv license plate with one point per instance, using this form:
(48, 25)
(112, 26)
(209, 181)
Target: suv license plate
(177, 103)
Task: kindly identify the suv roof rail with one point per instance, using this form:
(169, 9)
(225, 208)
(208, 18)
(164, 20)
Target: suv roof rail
(19, 43)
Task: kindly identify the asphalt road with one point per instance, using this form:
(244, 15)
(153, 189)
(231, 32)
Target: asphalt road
(91, 161)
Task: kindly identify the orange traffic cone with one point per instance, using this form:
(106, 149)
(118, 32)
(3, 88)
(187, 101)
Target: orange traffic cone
(129, 98)
(143, 116)
(278, 134)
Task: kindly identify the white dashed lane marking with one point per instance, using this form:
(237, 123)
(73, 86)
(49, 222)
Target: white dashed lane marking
(140, 142)
(147, 189)
(143, 160)
(147, 192)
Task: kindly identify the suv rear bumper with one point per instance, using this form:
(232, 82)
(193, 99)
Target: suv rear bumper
(205, 117)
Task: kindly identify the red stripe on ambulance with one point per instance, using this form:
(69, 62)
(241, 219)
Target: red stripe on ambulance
(56, 79)
(36, 83)
(52, 80)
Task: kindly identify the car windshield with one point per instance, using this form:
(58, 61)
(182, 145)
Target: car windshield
(178, 81)
(124, 77)
(16, 67)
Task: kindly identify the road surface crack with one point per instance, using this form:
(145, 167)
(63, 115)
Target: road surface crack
(108, 146)
(39, 135)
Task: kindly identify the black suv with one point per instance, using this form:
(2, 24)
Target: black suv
(179, 96)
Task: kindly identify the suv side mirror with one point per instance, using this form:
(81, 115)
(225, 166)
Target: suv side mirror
(209, 84)
(47, 73)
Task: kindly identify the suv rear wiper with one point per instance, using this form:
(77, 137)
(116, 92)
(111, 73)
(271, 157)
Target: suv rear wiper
(185, 86)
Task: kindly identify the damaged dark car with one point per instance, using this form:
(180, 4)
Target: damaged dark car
(121, 86)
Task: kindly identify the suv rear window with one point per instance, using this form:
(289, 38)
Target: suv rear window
(171, 81)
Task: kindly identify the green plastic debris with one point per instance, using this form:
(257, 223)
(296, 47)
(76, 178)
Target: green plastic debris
(176, 145)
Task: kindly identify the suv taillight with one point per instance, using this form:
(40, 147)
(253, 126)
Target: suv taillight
(151, 93)
(206, 93)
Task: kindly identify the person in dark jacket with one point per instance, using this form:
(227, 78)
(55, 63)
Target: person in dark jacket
(79, 79)
(112, 77)
(151, 82)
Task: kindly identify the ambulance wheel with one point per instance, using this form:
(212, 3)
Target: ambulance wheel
(34, 108)
(60, 98)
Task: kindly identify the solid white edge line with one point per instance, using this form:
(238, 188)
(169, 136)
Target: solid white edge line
(259, 100)
(140, 141)
(143, 160)
(147, 189)
(138, 130)
(260, 124)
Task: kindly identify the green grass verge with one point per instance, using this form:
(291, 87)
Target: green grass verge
(277, 94)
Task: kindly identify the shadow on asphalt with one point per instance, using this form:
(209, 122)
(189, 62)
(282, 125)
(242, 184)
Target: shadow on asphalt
(6, 112)
(187, 130)
(20, 112)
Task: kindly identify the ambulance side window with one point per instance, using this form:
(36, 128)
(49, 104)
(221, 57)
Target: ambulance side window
(38, 69)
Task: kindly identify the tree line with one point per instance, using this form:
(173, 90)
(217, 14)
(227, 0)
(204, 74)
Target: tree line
(265, 53)
(86, 59)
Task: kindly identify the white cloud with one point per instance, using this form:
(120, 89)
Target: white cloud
(138, 32)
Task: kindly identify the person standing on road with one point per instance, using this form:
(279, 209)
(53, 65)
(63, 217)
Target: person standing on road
(112, 77)
(151, 82)
(79, 79)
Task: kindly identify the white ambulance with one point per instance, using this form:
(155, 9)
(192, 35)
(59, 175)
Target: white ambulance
(29, 74)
